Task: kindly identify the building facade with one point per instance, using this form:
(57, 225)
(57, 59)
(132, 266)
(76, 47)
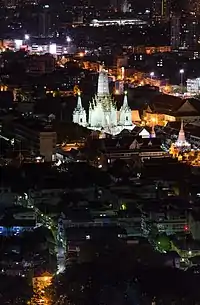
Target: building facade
(161, 10)
(184, 31)
(193, 85)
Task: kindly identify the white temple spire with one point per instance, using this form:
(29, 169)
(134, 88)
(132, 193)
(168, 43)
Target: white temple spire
(125, 102)
(103, 86)
(79, 113)
(181, 141)
(125, 117)
(79, 102)
(181, 135)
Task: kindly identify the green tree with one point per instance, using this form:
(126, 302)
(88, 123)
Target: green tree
(163, 243)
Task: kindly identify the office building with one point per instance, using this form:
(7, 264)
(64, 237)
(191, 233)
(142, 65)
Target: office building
(43, 64)
(122, 6)
(161, 10)
(36, 138)
(10, 3)
(175, 32)
(184, 32)
(44, 22)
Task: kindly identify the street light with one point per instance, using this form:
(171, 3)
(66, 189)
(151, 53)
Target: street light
(181, 71)
(26, 37)
(152, 75)
(68, 39)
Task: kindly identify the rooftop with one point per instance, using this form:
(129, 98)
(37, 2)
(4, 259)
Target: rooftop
(190, 129)
(32, 124)
(10, 221)
(126, 143)
(175, 106)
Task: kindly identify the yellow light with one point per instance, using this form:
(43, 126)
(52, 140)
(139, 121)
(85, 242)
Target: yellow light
(123, 207)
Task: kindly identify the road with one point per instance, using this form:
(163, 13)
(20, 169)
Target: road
(56, 229)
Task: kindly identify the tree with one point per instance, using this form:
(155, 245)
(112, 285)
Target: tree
(120, 169)
(163, 243)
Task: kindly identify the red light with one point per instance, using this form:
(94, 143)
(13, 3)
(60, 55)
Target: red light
(186, 228)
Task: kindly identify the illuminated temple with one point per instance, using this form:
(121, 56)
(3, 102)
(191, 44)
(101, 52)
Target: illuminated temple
(181, 142)
(103, 113)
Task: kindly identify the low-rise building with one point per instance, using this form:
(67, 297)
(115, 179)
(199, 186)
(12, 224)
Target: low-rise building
(41, 64)
(17, 220)
(35, 136)
(165, 108)
(132, 148)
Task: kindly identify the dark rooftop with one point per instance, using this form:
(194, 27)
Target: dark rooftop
(33, 125)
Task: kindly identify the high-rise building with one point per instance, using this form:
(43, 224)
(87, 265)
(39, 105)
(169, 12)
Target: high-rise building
(17, 3)
(44, 22)
(126, 7)
(184, 31)
(178, 6)
(103, 4)
(161, 10)
(120, 6)
(117, 5)
(10, 3)
(193, 7)
(175, 32)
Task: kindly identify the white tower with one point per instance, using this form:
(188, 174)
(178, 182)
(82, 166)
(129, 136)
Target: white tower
(103, 86)
(125, 118)
(181, 141)
(181, 135)
(79, 114)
